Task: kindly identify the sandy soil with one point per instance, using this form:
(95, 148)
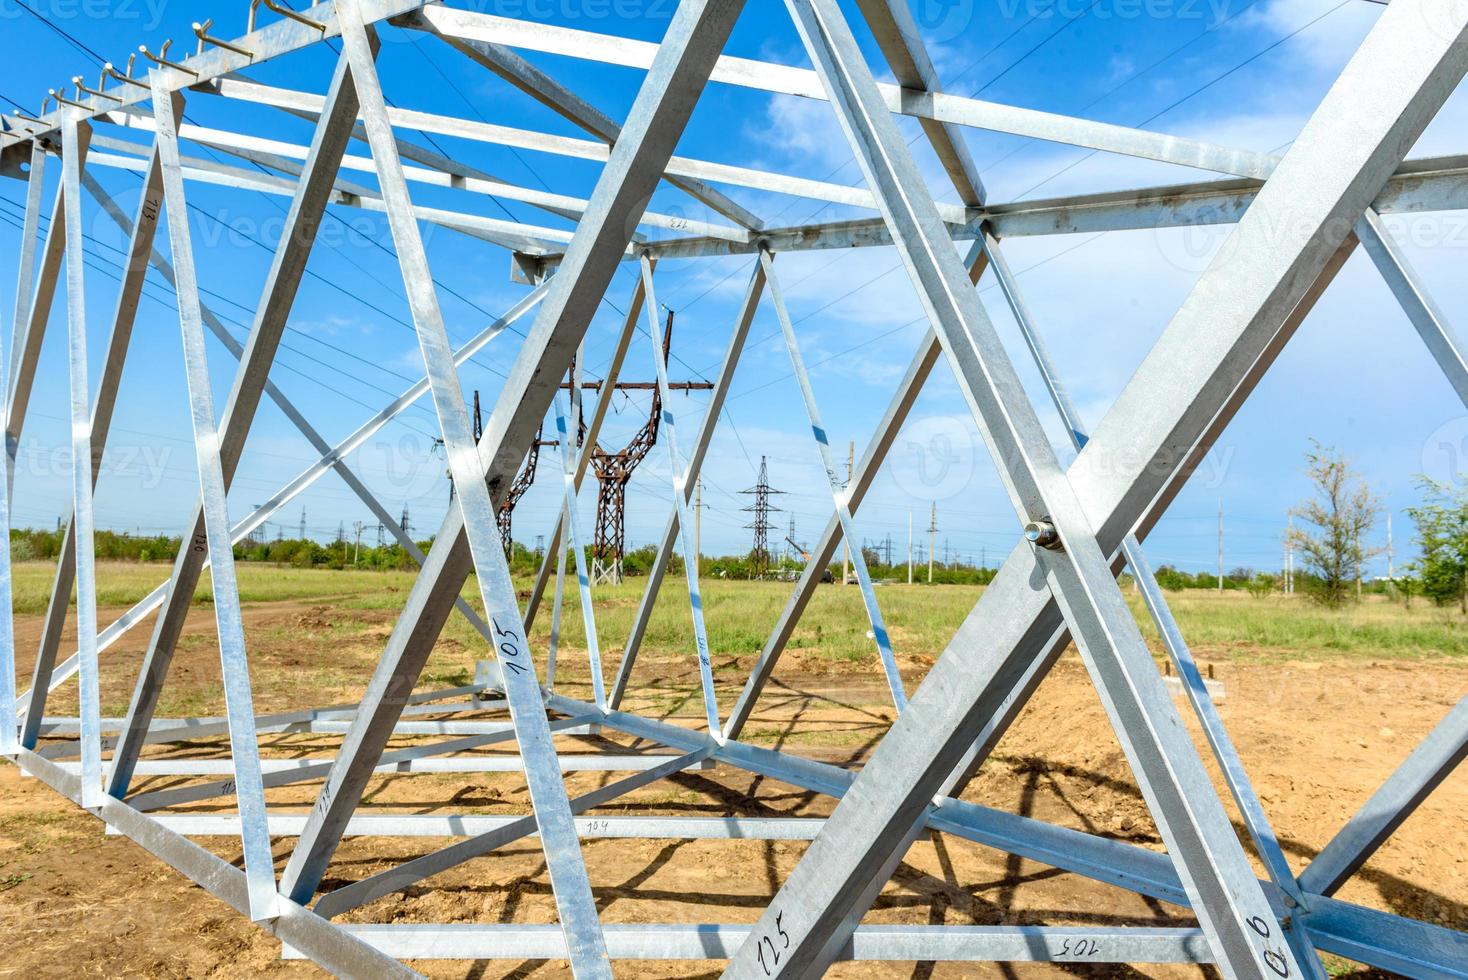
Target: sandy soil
(1317, 739)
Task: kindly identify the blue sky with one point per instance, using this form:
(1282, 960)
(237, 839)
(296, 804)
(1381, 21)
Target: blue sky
(1233, 71)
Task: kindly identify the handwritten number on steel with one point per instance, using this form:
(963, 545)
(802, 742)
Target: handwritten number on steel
(766, 941)
(509, 648)
(1274, 959)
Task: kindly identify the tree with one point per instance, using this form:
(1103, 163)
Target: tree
(1341, 513)
(1442, 534)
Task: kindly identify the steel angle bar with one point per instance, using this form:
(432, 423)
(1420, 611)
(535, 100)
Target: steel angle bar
(553, 645)
(141, 233)
(823, 905)
(930, 105)
(307, 209)
(387, 761)
(550, 93)
(1328, 179)
(908, 388)
(89, 696)
(588, 450)
(681, 488)
(581, 149)
(234, 663)
(663, 554)
(869, 943)
(1423, 313)
(331, 459)
(1409, 784)
(10, 739)
(329, 946)
(472, 826)
(659, 113)
(25, 351)
(838, 491)
(279, 153)
(1256, 822)
(30, 229)
(577, 541)
(1426, 184)
(529, 239)
(285, 36)
(358, 893)
(900, 40)
(548, 793)
(597, 762)
(1377, 938)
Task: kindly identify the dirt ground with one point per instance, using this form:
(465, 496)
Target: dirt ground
(1316, 737)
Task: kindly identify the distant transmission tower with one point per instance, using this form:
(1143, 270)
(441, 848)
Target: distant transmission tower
(303, 524)
(403, 523)
(759, 555)
(614, 468)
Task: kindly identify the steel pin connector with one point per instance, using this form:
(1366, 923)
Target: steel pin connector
(161, 58)
(61, 99)
(1043, 534)
(80, 87)
(284, 11)
(111, 70)
(201, 31)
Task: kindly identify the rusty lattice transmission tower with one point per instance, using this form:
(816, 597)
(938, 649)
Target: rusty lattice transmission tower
(614, 469)
(759, 555)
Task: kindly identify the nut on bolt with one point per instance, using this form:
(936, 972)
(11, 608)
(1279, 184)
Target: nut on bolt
(1043, 533)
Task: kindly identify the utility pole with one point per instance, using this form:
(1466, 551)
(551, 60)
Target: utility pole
(341, 532)
(909, 547)
(846, 554)
(1220, 546)
(1290, 556)
(380, 530)
(1390, 577)
(947, 555)
(303, 523)
(357, 548)
(932, 532)
(698, 525)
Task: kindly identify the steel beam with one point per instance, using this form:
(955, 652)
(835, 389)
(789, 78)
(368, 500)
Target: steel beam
(872, 943)
(141, 233)
(307, 210)
(1274, 275)
(410, 872)
(654, 124)
(556, 97)
(661, 557)
(1409, 784)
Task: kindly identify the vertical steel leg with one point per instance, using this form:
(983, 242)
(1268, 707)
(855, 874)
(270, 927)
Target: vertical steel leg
(838, 490)
(140, 245)
(1256, 822)
(578, 542)
(234, 663)
(569, 882)
(81, 464)
(302, 221)
(678, 74)
(681, 487)
(31, 331)
(695, 465)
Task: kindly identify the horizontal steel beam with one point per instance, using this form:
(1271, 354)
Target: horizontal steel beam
(502, 763)
(416, 825)
(962, 944)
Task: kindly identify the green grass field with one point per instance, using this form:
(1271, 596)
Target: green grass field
(739, 614)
